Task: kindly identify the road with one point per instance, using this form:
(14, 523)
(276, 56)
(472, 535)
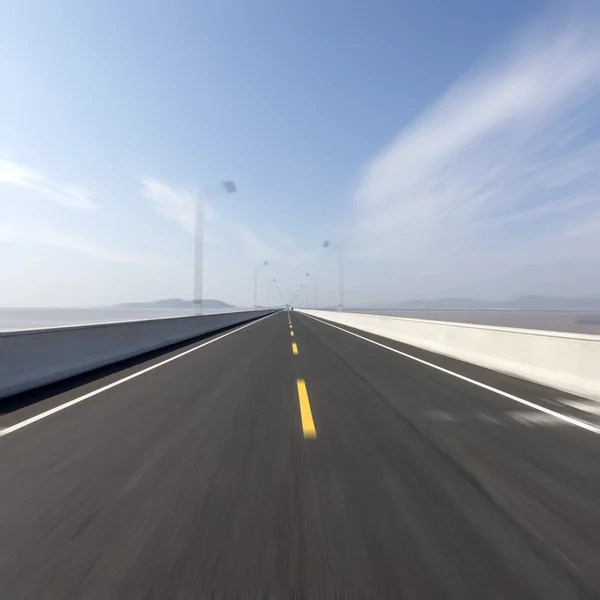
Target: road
(236, 468)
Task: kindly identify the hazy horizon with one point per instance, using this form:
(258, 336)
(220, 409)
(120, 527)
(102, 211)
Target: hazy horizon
(470, 303)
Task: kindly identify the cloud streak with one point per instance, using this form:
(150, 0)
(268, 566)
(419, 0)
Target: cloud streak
(68, 195)
(503, 168)
(9, 234)
(175, 203)
(178, 204)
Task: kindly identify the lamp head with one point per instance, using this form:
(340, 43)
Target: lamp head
(229, 187)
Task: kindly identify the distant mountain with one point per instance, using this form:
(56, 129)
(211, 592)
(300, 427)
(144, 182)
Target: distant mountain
(520, 303)
(176, 303)
(550, 303)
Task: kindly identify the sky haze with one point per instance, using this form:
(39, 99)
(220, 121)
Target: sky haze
(451, 146)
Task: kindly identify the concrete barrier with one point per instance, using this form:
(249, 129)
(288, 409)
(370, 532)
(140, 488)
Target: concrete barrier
(35, 357)
(565, 361)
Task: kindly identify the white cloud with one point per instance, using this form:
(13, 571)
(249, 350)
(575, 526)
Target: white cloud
(178, 204)
(68, 195)
(279, 249)
(47, 237)
(503, 169)
(175, 203)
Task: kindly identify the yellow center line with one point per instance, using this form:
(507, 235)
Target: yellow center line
(294, 348)
(308, 425)
(292, 333)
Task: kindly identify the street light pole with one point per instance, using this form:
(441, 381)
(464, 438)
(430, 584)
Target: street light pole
(314, 280)
(199, 253)
(225, 187)
(279, 290)
(265, 263)
(294, 297)
(328, 244)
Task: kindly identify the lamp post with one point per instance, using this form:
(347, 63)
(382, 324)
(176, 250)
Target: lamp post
(338, 248)
(268, 293)
(264, 263)
(294, 297)
(314, 280)
(278, 291)
(225, 187)
(305, 294)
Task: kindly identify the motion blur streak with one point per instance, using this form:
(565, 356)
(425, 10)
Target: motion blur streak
(195, 479)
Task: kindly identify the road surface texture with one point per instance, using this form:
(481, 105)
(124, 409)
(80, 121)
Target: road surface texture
(261, 464)
(569, 321)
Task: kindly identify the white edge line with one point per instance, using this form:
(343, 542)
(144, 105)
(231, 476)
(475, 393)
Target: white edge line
(570, 420)
(47, 413)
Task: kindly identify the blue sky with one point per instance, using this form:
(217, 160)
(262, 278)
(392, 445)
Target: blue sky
(450, 145)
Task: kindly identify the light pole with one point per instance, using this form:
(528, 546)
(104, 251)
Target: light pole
(278, 291)
(268, 292)
(264, 263)
(314, 280)
(328, 244)
(225, 187)
(305, 294)
(294, 297)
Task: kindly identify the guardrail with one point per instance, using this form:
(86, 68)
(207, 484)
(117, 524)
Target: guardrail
(35, 357)
(564, 361)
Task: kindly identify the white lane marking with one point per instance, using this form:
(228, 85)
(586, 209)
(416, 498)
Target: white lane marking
(70, 403)
(488, 418)
(589, 407)
(440, 415)
(557, 415)
(531, 418)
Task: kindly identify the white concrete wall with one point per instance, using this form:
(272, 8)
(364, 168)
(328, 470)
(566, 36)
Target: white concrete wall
(36, 357)
(568, 362)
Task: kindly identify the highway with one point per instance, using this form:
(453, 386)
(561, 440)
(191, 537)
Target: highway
(288, 458)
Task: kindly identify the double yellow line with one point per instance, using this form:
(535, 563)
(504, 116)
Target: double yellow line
(308, 424)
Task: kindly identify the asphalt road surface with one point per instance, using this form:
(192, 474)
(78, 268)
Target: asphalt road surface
(240, 469)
